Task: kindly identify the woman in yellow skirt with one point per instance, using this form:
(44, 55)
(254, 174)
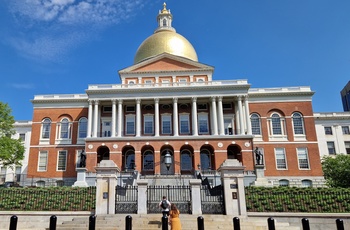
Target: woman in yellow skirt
(174, 219)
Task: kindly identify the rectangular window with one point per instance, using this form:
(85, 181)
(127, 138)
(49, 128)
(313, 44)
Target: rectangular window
(203, 123)
(328, 130)
(227, 106)
(148, 82)
(303, 159)
(130, 108)
(347, 147)
(130, 125)
(62, 160)
(148, 124)
(107, 109)
(202, 107)
(331, 147)
(165, 82)
(42, 161)
(166, 124)
(228, 125)
(345, 130)
(184, 124)
(280, 155)
(22, 136)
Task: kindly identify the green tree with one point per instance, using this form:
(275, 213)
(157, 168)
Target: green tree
(11, 150)
(336, 170)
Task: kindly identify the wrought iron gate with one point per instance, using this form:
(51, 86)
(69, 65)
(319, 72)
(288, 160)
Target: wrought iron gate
(126, 199)
(179, 195)
(212, 200)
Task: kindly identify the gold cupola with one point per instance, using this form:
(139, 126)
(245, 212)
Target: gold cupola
(165, 40)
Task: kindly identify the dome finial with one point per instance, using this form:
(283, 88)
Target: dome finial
(164, 11)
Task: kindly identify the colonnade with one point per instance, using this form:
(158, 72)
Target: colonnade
(241, 116)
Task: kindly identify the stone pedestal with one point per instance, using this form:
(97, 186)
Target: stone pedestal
(196, 196)
(232, 181)
(81, 178)
(106, 181)
(142, 196)
(260, 177)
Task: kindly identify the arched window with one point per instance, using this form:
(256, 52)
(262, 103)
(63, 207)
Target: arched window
(306, 183)
(164, 22)
(45, 128)
(40, 183)
(130, 160)
(148, 161)
(276, 124)
(256, 126)
(64, 129)
(186, 160)
(82, 127)
(283, 182)
(205, 160)
(298, 124)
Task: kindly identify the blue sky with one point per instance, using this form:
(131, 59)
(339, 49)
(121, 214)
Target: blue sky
(62, 46)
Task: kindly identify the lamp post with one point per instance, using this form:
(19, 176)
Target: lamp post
(167, 161)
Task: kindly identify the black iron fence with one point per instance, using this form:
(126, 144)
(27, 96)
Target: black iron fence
(212, 200)
(179, 195)
(126, 199)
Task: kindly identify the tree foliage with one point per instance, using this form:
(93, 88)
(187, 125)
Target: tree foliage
(11, 150)
(337, 170)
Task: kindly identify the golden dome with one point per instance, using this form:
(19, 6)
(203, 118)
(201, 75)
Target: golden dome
(165, 40)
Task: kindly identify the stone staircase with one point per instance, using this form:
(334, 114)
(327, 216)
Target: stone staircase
(139, 222)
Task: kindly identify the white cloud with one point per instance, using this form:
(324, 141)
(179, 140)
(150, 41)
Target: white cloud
(49, 28)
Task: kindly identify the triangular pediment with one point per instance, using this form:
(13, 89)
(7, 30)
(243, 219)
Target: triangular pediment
(166, 63)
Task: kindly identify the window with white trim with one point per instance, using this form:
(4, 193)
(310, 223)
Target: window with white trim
(256, 124)
(203, 123)
(45, 128)
(148, 124)
(331, 147)
(298, 124)
(347, 147)
(345, 130)
(228, 124)
(62, 160)
(82, 127)
(148, 82)
(328, 130)
(280, 155)
(166, 124)
(64, 129)
(184, 124)
(42, 164)
(130, 124)
(276, 126)
(303, 159)
(22, 136)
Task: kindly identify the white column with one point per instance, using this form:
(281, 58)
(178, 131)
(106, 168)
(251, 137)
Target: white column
(120, 114)
(138, 117)
(95, 119)
(238, 128)
(214, 116)
(240, 109)
(247, 118)
(221, 116)
(90, 119)
(156, 117)
(194, 117)
(175, 117)
(114, 117)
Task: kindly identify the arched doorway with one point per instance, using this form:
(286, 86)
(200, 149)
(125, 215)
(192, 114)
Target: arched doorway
(102, 153)
(234, 152)
(163, 169)
(128, 160)
(186, 160)
(147, 160)
(207, 158)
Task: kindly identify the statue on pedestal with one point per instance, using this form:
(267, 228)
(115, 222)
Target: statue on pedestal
(258, 157)
(82, 159)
